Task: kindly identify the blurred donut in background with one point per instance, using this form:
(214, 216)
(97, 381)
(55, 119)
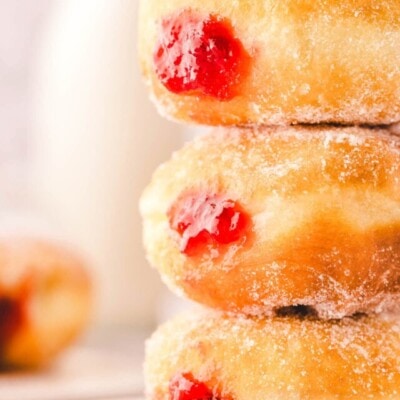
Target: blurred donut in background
(45, 300)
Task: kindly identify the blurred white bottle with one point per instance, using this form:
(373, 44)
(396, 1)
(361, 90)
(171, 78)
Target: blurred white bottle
(97, 139)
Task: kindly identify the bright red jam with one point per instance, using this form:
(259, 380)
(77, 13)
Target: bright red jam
(200, 54)
(185, 387)
(201, 219)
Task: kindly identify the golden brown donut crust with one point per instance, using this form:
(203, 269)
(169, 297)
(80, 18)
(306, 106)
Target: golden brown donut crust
(313, 61)
(325, 209)
(278, 358)
(50, 287)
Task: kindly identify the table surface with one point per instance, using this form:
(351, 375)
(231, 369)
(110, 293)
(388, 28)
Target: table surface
(104, 366)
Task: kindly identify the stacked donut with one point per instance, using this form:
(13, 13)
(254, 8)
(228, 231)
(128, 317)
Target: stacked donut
(286, 220)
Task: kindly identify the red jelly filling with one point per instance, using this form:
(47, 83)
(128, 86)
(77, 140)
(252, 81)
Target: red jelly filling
(201, 219)
(11, 316)
(194, 53)
(185, 387)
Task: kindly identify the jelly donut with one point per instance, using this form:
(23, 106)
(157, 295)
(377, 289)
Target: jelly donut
(44, 300)
(220, 357)
(253, 220)
(273, 62)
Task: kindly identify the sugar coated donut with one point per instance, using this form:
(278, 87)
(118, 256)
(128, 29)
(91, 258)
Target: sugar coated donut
(44, 300)
(212, 356)
(273, 62)
(254, 220)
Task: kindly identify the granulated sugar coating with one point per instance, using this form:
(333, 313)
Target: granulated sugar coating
(324, 209)
(309, 61)
(278, 359)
